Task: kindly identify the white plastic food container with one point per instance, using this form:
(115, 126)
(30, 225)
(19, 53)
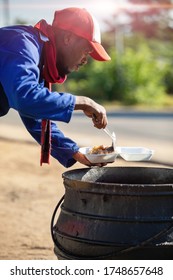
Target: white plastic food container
(98, 158)
(135, 153)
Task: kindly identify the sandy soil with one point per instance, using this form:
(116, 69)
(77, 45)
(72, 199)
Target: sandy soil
(28, 196)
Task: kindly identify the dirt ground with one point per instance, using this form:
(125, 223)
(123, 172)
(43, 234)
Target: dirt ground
(28, 196)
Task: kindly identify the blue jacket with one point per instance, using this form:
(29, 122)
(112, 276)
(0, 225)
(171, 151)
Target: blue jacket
(22, 88)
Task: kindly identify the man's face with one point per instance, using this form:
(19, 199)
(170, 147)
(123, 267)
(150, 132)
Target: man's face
(72, 54)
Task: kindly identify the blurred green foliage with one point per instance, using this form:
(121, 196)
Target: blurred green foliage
(141, 74)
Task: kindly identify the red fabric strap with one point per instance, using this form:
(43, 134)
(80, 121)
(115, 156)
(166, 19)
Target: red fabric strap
(51, 75)
(45, 138)
(45, 142)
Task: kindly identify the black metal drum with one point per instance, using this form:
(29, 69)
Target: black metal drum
(115, 213)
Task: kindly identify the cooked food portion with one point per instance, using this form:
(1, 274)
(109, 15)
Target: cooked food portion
(99, 150)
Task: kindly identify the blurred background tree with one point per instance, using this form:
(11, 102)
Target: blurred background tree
(152, 18)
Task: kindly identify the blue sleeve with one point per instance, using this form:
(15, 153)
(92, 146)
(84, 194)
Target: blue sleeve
(20, 78)
(62, 148)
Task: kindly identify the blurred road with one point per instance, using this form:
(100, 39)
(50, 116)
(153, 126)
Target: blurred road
(132, 128)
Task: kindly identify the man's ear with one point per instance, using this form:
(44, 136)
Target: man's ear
(68, 37)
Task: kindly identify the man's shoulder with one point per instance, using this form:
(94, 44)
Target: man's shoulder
(18, 30)
(20, 38)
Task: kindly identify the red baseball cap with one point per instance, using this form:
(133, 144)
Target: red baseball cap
(83, 24)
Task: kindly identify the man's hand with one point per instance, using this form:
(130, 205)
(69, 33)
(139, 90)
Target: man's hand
(92, 110)
(82, 159)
